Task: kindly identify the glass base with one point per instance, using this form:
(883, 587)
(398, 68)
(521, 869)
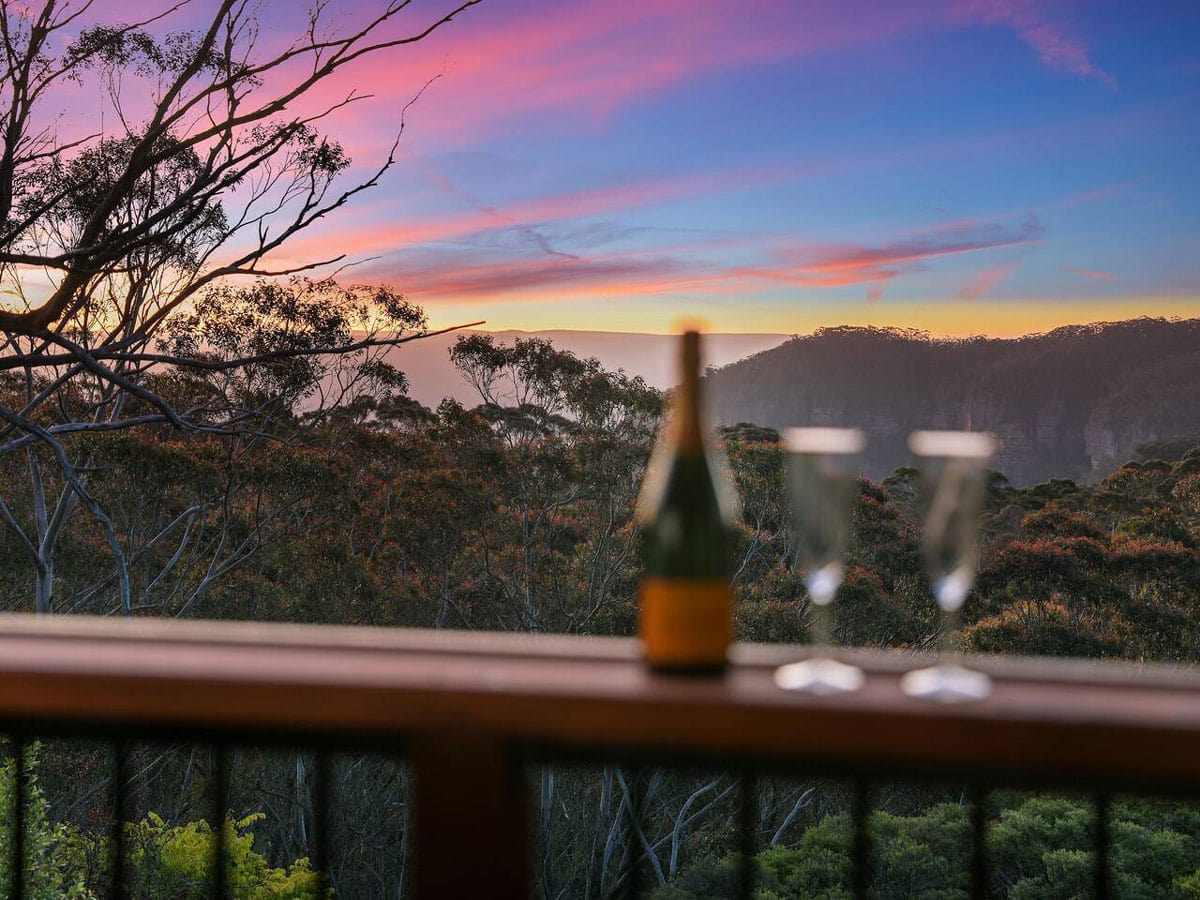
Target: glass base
(820, 676)
(946, 683)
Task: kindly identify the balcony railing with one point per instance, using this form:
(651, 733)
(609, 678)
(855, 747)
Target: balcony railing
(469, 712)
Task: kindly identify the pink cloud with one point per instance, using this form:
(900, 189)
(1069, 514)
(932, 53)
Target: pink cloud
(458, 275)
(582, 61)
(987, 280)
(1050, 39)
(568, 63)
(556, 277)
(1093, 273)
(846, 265)
(373, 237)
(455, 276)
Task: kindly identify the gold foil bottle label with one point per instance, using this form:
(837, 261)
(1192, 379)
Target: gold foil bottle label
(685, 622)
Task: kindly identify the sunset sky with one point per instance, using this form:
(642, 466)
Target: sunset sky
(969, 166)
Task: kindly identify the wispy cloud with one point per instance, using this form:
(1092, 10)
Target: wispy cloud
(439, 278)
(1093, 273)
(556, 66)
(877, 265)
(375, 237)
(986, 281)
(456, 275)
(528, 216)
(570, 65)
(1053, 40)
(581, 60)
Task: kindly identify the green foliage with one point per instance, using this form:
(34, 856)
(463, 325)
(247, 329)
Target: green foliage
(1046, 628)
(1105, 570)
(63, 862)
(1040, 849)
(1158, 524)
(177, 861)
(51, 853)
(1053, 520)
(517, 514)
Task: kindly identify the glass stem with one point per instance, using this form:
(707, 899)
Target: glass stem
(822, 628)
(948, 638)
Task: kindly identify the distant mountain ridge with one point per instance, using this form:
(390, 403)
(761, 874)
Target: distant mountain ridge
(432, 377)
(1074, 402)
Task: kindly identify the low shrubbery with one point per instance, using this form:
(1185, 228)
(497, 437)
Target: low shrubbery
(161, 860)
(1040, 848)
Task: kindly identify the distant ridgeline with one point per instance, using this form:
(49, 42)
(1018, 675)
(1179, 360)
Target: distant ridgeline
(1075, 402)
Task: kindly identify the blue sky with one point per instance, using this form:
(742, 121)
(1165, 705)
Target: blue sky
(998, 166)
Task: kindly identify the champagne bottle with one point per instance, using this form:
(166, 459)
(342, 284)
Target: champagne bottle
(686, 509)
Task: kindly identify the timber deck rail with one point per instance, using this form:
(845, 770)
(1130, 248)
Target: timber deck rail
(469, 710)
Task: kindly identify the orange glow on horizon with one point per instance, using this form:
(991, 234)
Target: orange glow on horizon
(945, 319)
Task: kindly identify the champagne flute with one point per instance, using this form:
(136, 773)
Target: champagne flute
(954, 481)
(822, 463)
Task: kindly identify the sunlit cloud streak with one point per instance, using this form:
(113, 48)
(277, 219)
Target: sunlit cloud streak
(849, 265)
(454, 276)
(988, 280)
(543, 278)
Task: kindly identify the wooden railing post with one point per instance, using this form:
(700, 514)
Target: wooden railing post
(471, 819)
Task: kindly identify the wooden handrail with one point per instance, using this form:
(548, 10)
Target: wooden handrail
(473, 709)
(1046, 719)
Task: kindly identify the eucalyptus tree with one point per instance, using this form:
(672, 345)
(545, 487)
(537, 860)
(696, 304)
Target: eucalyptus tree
(123, 222)
(574, 439)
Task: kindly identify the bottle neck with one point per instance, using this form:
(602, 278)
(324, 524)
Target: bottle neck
(687, 431)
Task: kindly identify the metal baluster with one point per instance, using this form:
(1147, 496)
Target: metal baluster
(860, 853)
(631, 833)
(120, 765)
(220, 792)
(1102, 884)
(747, 822)
(320, 802)
(980, 879)
(20, 805)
